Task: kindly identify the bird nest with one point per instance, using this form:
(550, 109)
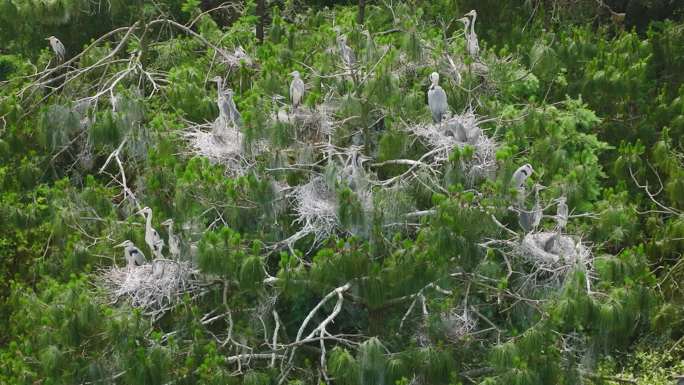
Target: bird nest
(457, 324)
(310, 125)
(315, 208)
(154, 287)
(457, 132)
(223, 144)
(553, 255)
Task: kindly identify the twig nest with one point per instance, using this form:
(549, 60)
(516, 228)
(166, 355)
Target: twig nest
(221, 145)
(552, 250)
(457, 323)
(154, 287)
(457, 132)
(315, 206)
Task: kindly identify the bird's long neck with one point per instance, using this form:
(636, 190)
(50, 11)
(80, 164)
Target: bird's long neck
(472, 24)
(219, 85)
(148, 224)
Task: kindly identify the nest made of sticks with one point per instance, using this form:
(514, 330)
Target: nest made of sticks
(457, 323)
(154, 287)
(459, 131)
(315, 207)
(223, 144)
(553, 254)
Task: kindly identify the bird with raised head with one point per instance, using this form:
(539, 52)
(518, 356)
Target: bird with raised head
(152, 238)
(437, 99)
(57, 47)
(134, 257)
(174, 241)
(296, 89)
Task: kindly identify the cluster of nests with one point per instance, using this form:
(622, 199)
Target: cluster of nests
(154, 287)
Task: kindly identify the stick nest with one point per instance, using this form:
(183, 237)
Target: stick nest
(154, 287)
(457, 132)
(223, 144)
(554, 254)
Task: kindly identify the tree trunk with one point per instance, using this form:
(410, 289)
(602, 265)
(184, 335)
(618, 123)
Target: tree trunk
(362, 11)
(261, 15)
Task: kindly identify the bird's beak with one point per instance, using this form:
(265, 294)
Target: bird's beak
(122, 244)
(166, 222)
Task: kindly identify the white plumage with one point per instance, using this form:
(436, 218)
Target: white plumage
(57, 47)
(437, 99)
(296, 89)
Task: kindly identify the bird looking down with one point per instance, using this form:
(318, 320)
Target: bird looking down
(437, 99)
(134, 257)
(57, 47)
(296, 89)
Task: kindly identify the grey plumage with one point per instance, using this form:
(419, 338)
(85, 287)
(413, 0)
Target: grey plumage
(347, 54)
(133, 255)
(561, 214)
(228, 112)
(472, 44)
(530, 220)
(437, 99)
(152, 238)
(296, 89)
(520, 175)
(174, 241)
(57, 47)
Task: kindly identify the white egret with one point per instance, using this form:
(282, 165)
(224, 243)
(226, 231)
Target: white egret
(57, 47)
(152, 238)
(296, 89)
(174, 241)
(134, 257)
(437, 99)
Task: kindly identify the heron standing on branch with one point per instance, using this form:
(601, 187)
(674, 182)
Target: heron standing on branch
(437, 99)
(57, 47)
(296, 89)
(152, 238)
(472, 44)
(174, 241)
(134, 257)
(348, 56)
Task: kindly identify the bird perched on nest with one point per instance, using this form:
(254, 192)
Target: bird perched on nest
(57, 47)
(296, 89)
(562, 213)
(174, 241)
(152, 238)
(437, 99)
(133, 255)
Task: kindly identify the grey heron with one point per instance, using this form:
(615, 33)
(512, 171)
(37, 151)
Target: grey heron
(296, 89)
(530, 220)
(174, 241)
(521, 174)
(134, 257)
(437, 99)
(152, 238)
(57, 47)
(370, 46)
(472, 44)
(456, 128)
(561, 214)
(347, 54)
